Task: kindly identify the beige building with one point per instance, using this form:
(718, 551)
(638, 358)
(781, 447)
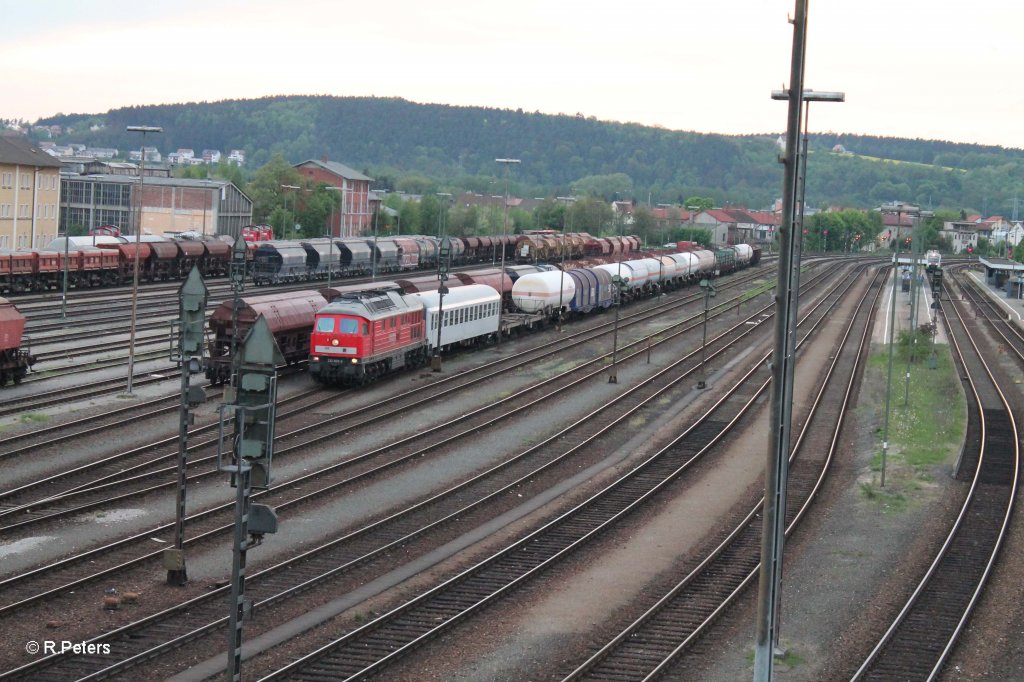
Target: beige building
(29, 194)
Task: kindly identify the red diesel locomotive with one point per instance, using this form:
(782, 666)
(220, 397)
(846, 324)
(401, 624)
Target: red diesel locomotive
(362, 335)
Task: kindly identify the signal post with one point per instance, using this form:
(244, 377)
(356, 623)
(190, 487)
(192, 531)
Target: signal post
(252, 398)
(189, 356)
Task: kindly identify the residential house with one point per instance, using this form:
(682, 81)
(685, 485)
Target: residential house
(211, 155)
(237, 156)
(29, 194)
(960, 234)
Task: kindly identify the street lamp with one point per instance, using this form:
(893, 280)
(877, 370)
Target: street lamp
(284, 234)
(138, 240)
(330, 229)
(613, 376)
(709, 293)
(561, 279)
(504, 231)
(801, 180)
(440, 212)
(899, 210)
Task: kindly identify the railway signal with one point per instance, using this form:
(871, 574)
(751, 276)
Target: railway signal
(444, 259)
(709, 293)
(189, 356)
(252, 399)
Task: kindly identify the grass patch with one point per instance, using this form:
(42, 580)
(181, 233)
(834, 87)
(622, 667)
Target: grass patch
(790, 660)
(636, 421)
(927, 419)
(760, 289)
(32, 418)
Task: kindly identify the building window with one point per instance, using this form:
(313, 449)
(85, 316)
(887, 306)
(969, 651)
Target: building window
(5, 180)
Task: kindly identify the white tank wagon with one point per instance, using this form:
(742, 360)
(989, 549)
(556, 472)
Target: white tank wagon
(705, 261)
(744, 252)
(657, 271)
(633, 271)
(541, 292)
(687, 264)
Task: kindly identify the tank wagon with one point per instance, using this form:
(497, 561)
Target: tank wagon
(15, 354)
(543, 292)
(290, 318)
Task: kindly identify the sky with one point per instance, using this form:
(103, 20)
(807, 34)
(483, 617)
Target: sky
(933, 70)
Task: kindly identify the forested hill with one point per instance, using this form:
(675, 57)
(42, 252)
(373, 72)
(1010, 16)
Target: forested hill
(392, 139)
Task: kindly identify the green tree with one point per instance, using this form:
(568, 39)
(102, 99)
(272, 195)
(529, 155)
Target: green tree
(550, 214)
(702, 203)
(644, 225)
(604, 186)
(591, 215)
(271, 203)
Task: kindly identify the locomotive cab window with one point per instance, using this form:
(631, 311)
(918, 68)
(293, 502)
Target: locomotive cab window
(325, 324)
(349, 326)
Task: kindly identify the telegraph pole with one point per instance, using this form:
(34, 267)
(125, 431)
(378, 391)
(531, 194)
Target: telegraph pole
(783, 359)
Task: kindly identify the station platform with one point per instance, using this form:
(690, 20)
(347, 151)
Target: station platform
(902, 315)
(1009, 298)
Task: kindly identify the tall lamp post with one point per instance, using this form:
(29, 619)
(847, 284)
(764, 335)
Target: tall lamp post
(709, 292)
(801, 179)
(138, 240)
(504, 232)
(915, 291)
(330, 235)
(330, 229)
(613, 376)
(294, 188)
(561, 278)
(440, 212)
(899, 210)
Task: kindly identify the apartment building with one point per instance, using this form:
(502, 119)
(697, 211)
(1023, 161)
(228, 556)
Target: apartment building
(29, 194)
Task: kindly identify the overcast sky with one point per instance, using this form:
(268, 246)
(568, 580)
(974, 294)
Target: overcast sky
(936, 69)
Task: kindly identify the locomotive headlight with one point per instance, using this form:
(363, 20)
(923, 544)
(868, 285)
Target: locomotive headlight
(334, 342)
(355, 361)
(316, 358)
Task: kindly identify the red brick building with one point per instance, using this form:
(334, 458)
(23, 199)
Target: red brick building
(358, 203)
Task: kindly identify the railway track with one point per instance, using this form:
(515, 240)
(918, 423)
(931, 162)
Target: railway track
(136, 467)
(369, 650)
(925, 631)
(48, 581)
(419, 514)
(658, 642)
